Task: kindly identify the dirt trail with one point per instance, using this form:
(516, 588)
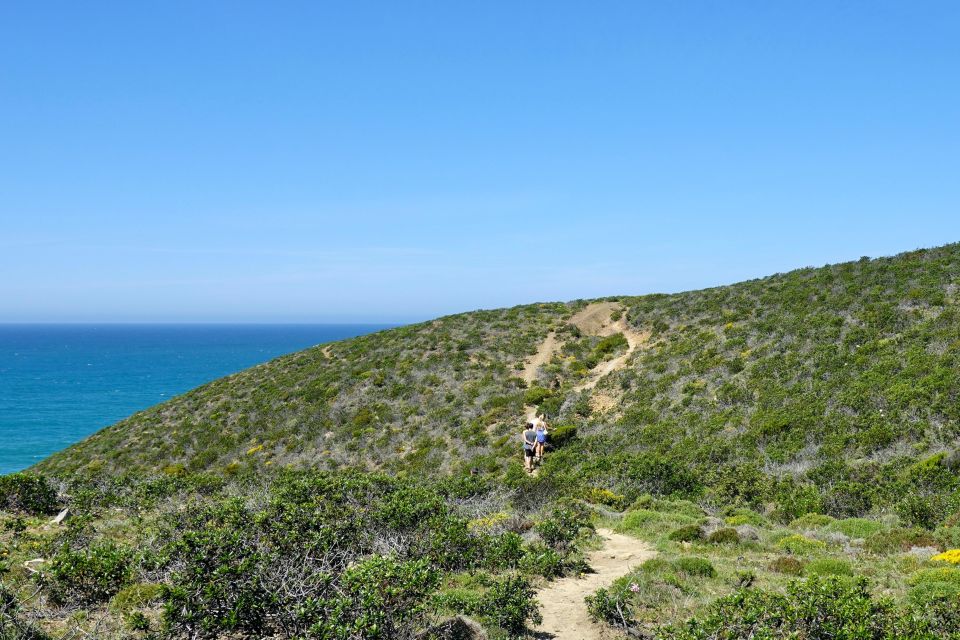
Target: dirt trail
(634, 340)
(564, 612)
(592, 320)
(543, 355)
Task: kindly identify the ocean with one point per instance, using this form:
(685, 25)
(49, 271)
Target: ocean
(60, 383)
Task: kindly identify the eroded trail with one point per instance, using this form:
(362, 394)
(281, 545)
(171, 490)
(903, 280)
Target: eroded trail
(564, 612)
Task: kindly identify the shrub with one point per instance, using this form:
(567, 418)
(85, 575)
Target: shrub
(898, 539)
(745, 516)
(856, 527)
(724, 536)
(603, 606)
(687, 533)
(541, 560)
(536, 395)
(563, 526)
(136, 595)
(931, 585)
(605, 497)
(951, 556)
(829, 567)
(694, 566)
(562, 435)
(787, 565)
(800, 545)
(27, 493)
(510, 604)
(89, 576)
(816, 608)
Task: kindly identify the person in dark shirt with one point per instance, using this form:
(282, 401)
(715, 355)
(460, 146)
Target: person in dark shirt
(529, 438)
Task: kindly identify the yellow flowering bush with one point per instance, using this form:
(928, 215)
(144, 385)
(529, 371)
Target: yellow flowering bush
(952, 556)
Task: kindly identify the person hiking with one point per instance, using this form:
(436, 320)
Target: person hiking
(529, 437)
(540, 427)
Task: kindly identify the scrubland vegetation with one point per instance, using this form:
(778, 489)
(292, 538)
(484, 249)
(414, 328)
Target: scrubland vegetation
(788, 444)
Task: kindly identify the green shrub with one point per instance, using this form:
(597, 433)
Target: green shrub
(536, 395)
(930, 585)
(687, 533)
(788, 565)
(604, 606)
(694, 566)
(724, 536)
(565, 524)
(135, 596)
(898, 539)
(829, 567)
(856, 527)
(740, 516)
(562, 435)
(27, 493)
(541, 560)
(816, 609)
(89, 576)
(800, 545)
(510, 604)
(606, 497)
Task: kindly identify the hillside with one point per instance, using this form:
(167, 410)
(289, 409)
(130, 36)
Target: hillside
(828, 375)
(775, 458)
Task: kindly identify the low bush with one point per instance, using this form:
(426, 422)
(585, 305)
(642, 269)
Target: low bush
(135, 596)
(787, 565)
(91, 575)
(738, 516)
(828, 567)
(816, 609)
(27, 493)
(566, 523)
(929, 586)
(724, 536)
(562, 435)
(693, 566)
(687, 533)
(535, 395)
(898, 539)
(856, 527)
(800, 545)
(541, 560)
(951, 556)
(605, 497)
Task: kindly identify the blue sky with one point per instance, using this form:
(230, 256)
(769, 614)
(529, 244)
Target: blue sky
(311, 162)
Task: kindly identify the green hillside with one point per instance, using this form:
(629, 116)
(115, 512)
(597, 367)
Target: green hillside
(776, 458)
(836, 376)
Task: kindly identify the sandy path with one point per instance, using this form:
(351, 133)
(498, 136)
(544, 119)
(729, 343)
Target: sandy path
(634, 340)
(564, 612)
(543, 355)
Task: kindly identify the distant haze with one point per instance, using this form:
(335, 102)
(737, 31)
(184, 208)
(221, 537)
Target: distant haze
(315, 162)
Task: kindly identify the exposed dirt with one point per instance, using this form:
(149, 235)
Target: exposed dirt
(564, 612)
(634, 340)
(544, 353)
(593, 320)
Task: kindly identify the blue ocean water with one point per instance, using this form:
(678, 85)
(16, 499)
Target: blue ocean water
(60, 383)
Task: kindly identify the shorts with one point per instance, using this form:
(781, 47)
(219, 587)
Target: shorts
(541, 438)
(528, 452)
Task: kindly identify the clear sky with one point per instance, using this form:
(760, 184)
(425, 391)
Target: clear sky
(319, 161)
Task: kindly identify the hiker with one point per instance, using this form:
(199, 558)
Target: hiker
(540, 427)
(529, 438)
